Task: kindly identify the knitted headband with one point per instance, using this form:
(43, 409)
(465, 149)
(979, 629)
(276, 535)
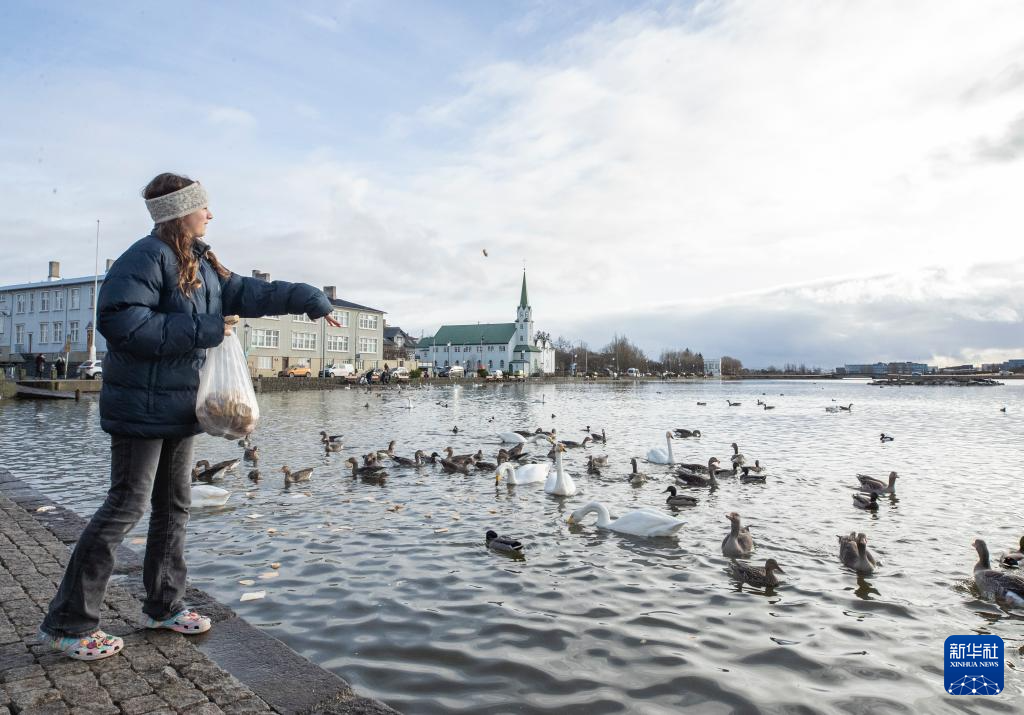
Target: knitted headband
(177, 203)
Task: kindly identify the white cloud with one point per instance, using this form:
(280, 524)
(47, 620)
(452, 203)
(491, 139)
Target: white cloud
(230, 117)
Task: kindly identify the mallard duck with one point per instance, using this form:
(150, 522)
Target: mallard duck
(728, 472)
(206, 495)
(602, 438)
(999, 585)
(526, 474)
(870, 484)
(368, 470)
(692, 467)
(485, 466)
(324, 437)
(885, 438)
(593, 467)
(387, 453)
(254, 475)
(452, 467)
(211, 473)
(1014, 558)
(332, 447)
(684, 433)
(700, 480)
(674, 499)
(731, 403)
(461, 458)
(853, 552)
(642, 522)
(505, 544)
(572, 444)
(559, 482)
(657, 455)
(769, 407)
(757, 576)
(416, 460)
(868, 502)
(753, 474)
(635, 477)
(702, 404)
(737, 459)
(252, 454)
(738, 544)
(301, 475)
(847, 408)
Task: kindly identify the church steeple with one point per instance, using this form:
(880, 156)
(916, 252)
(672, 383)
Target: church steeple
(524, 317)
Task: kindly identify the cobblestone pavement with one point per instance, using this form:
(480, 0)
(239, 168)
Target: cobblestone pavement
(157, 672)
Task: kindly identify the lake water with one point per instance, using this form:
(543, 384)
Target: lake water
(409, 606)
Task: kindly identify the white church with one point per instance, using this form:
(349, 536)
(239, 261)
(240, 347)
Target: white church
(510, 347)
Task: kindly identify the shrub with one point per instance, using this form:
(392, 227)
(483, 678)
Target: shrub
(415, 373)
(481, 372)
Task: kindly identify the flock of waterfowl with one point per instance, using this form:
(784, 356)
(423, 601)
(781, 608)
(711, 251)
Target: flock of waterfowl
(513, 464)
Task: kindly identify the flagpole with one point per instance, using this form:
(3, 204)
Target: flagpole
(95, 295)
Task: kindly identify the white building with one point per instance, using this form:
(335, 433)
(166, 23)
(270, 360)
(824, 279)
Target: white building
(509, 347)
(51, 317)
(713, 367)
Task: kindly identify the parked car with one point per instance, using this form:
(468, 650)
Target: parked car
(400, 373)
(343, 370)
(296, 371)
(90, 370)
(632, 372)
(496, 375)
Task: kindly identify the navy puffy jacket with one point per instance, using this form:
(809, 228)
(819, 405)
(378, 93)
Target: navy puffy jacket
(157, 337)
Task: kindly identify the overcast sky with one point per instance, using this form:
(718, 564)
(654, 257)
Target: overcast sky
(778, 181)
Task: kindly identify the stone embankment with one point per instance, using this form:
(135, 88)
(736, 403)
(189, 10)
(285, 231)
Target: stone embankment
(234, 668)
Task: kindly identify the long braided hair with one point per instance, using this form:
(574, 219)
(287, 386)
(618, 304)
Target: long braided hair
(174, 234)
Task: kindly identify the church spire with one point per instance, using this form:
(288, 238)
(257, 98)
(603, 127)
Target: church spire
(523, 303)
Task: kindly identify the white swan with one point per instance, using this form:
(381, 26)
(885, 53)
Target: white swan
(642, 522)
(526, 474)
(558, 482)
(511, 437)
(657, 455)
(206, 495)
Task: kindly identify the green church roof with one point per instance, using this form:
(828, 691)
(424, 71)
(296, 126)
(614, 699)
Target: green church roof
(523, 303)
(486, 333)
(523, 348)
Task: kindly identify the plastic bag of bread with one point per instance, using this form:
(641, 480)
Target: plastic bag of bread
(226, 403)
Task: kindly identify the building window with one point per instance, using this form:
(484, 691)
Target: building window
(303, 341)
(266, 338)
(92, 295)
(73, 332)
(301, 319)
(490, 363)
(341, 316)
(76, 296)
(44, 301)
(19, 303)
(31, 302)
(501, 363)
(44, 333)
(367, 321)
(19, 334)
(3, 324)
(58, 300)
(264, 362)
(457, 349)
(58, 332)
(337, 343)
(367, 345)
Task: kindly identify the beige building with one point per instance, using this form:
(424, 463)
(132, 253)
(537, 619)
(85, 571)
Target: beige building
(275, 344)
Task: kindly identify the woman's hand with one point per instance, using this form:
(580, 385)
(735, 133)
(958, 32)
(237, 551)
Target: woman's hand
(230, 321)
(332, 322)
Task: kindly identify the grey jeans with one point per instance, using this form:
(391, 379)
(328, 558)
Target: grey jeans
(142, 471)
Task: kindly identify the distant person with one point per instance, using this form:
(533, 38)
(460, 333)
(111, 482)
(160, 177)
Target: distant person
(40, 364)
(61, 367)
(163, 303)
